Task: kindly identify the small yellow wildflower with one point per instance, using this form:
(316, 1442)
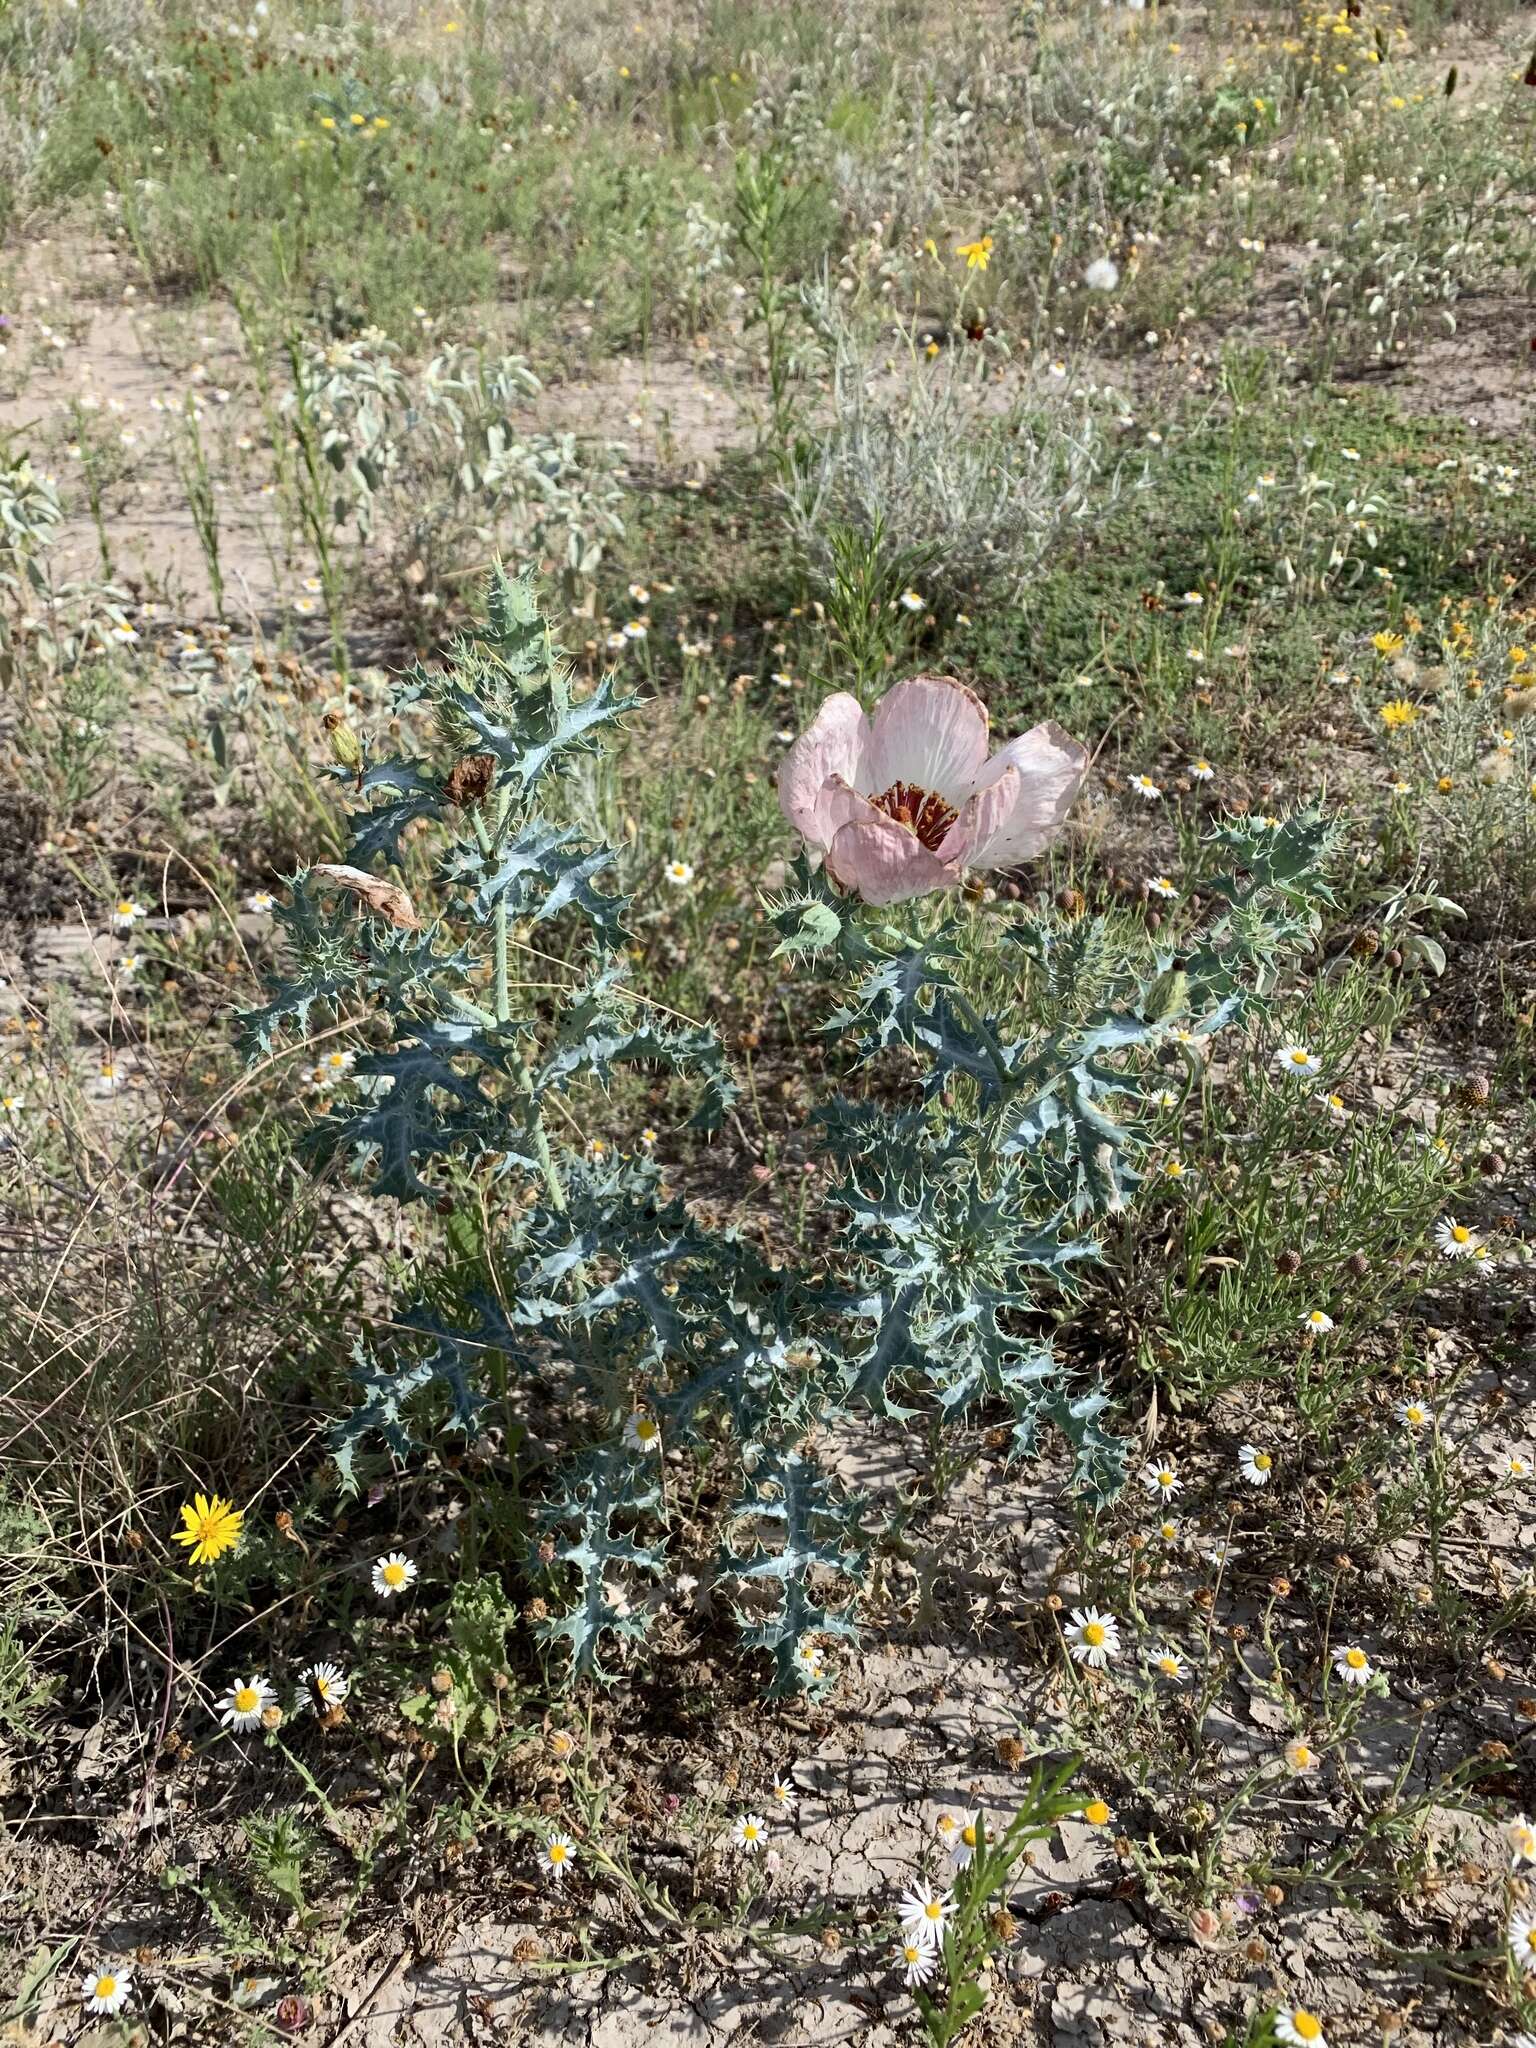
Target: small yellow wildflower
(209, 1527)
(1397, 712)
(977, 254)
(1387, 643)
(327, 121)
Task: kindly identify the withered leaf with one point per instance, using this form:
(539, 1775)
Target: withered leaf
(388, 899)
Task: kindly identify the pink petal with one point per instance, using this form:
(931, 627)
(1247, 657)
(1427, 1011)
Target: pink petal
(981, 818)
(885, 863)
(1050, 766)
(930, 731)
(835, 744)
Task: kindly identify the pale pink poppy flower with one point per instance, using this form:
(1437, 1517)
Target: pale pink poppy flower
(903, 803)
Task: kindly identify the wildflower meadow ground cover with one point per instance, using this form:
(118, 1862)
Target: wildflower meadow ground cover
(767, 1023)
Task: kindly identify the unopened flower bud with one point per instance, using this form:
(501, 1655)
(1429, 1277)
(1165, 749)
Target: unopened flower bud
(1288, 1261)
(442, 1680)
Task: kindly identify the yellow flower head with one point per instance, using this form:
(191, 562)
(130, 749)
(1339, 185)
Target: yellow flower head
(1398, 712)
(209, 1527)
(1387, 643)
(977, 254)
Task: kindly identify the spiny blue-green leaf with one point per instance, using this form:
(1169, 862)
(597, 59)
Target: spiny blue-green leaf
(615, 1483)
(377, 831)
(539, 872)
(595, 1039)
(526, 758)
(403, 1123)
(817, 1538)
(385, 1394)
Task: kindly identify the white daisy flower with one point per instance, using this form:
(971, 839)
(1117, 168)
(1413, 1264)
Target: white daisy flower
(1256, 1466)
(962, 1850)
(918, 1960)
(947, 1827)
(1300, 1757)
(1353, 1665)
(1482, 1261)
(1299, 2028)
(648, 1139)
(638, 591)
(642, 1432)
(126, 914)
(1200, 770)
(1521, 1837)
(1455, 1240)
(1144, 787)
(106, 1990)
(108, 1079)
(924, 1913)
(260, 903)
(322, 1686)
(1514, 1465)
(1169, 1663)
(785, 1796)
(332, 1065)
(128, 965)
(393, 1573)
(749, 1833)
(1297, 1060)
(1162, 885)
(243, 1705)
(1168, 1530)
(1522, 1942)
(812, 1664)
(913, 601)
(1161, 1477)
(12, 1105)
(1093, 1638)
(1414, 1415)
(634, 630)
(559, 1854)
(679, 873)
(1317, 1319)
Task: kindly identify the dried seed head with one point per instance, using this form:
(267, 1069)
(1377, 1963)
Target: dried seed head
(1003, 1924)
(1288, 1261)
(1273, 1895)
(1280, 1587)
(1072, 901)
(1358, 1264)
(442, 1680)
(1475, 1090)
(1010, 1751)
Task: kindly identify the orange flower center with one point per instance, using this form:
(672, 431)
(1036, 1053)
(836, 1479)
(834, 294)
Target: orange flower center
(919, 810)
